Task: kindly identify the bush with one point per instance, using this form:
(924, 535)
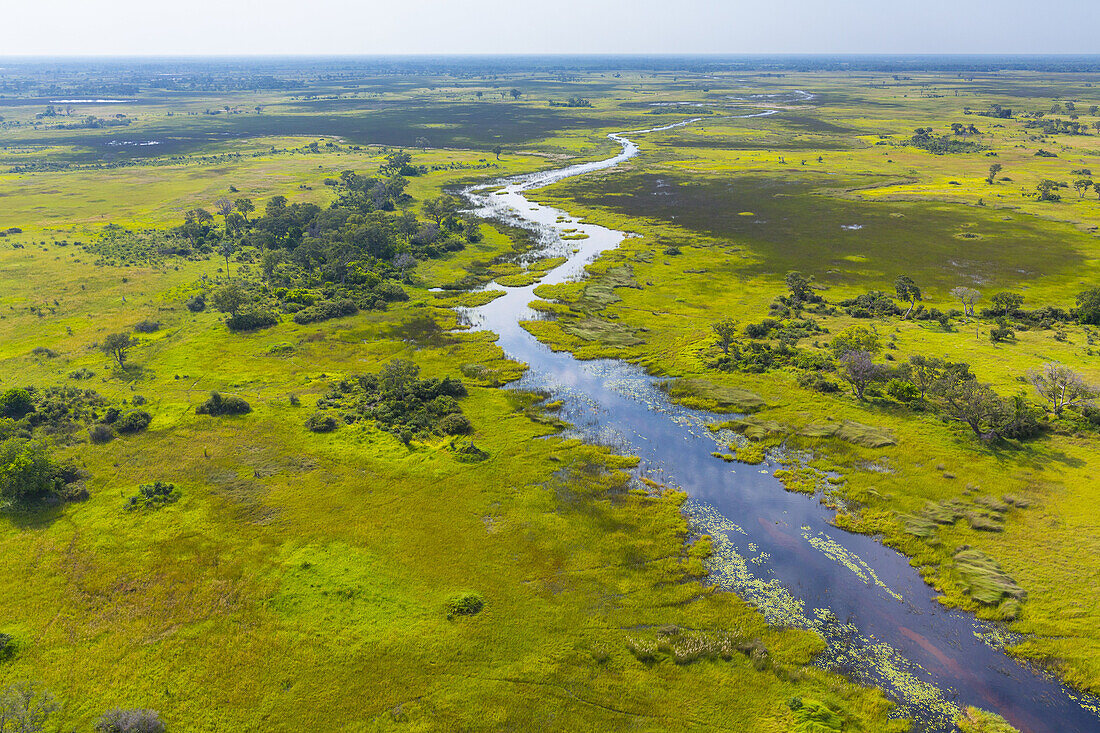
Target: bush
(251, 321)
(147, 326)
(133, 421)
(902, 391)
(223, 405)
(26, 470)
(325, 310)
(321, 422)
(1001, 332)
(1088, 307)
(130, 721)
(454, 424)
(16, 403)
(196, 303)
(815, 381)
(43, 351)
(7, 647)
(153, 496)
(100, 433)
(467, 604)
(390, 291)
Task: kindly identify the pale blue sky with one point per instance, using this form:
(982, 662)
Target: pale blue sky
(120, 27)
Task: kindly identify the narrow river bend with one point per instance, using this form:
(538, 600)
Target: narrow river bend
(775, 548)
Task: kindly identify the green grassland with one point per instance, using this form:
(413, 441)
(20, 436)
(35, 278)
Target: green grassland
(308, 581)
(744, 201)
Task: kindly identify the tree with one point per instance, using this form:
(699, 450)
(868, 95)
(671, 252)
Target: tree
(395, 162)
(1082, 185)
(1007, 302)
(224, 207)
(226, 250)
(440, 208)
(1088, 307)
(968, 297)
(230, 298)
(26, 708)
(516, 94)
(907, 290)
(1061, 387)
(497, 151)
(800, 286)
(726, 330)
(1046, 188)
(245, 206)
(856, 338)
(973, 403)
(993, 171)
(860, 370)
(116, 345)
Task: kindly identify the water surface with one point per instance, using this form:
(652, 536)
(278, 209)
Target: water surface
(777, 549)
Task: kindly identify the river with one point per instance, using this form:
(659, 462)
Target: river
(777, 549)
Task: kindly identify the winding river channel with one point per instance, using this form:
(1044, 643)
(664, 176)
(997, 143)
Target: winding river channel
(775, 548)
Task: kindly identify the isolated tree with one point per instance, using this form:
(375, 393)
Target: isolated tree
(1082, 185)
(968, 297)
(860, 370)
(800, 286)
(516, 94)
(116, 345)
(26, 708)
(1061, 387)
(245, 206)
(726, 331)
(479, 94)
(907, 290)
(230, 298)
(423, 142)
(497, 151)
(1007, 302)
(993, 171)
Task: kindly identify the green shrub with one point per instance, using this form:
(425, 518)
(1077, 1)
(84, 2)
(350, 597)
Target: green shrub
(153, 496)
(196, 303)
(223, 405)
(321, 422)
(251, 321)
(7, 647)
(16, 403)
(147, 326)
(325, 310)
(26, 470)
(133, 421)
(100, 433)
(454, 424)
(466, 604)
(902, 391)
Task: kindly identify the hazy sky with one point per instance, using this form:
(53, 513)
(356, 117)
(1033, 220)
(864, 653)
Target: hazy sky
(120, 27)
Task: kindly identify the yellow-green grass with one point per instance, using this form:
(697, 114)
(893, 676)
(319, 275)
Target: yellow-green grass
(302, 581)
